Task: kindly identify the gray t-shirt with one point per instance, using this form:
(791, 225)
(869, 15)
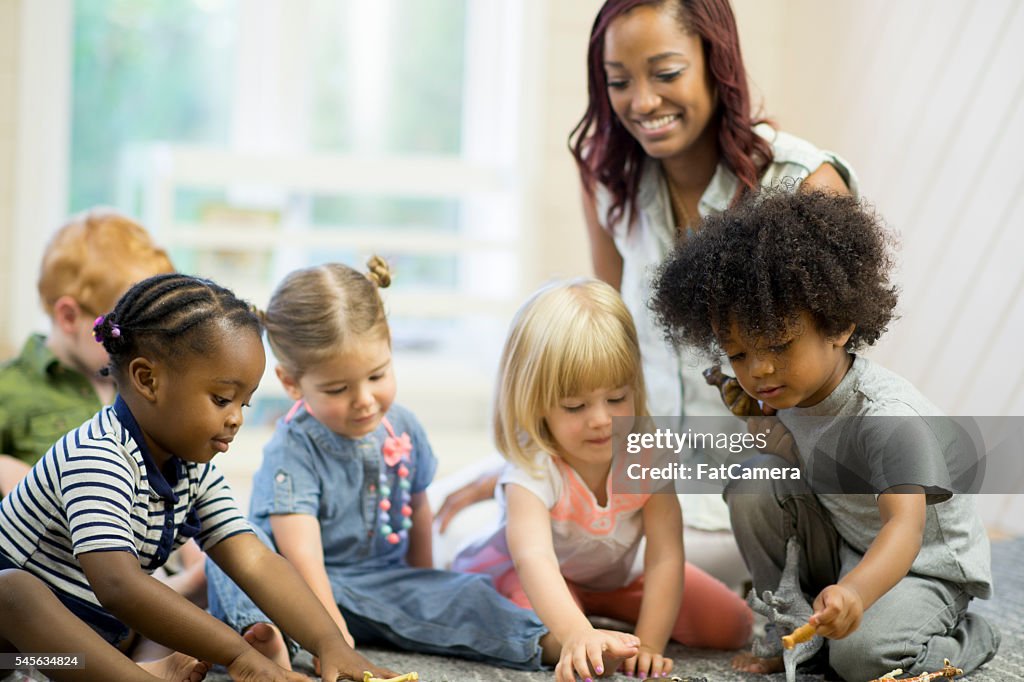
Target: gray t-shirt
(875, 431)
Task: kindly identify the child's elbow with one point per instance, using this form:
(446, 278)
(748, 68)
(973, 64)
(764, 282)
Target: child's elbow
(112, 585)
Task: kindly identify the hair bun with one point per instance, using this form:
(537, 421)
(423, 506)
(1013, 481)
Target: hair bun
(379, 272)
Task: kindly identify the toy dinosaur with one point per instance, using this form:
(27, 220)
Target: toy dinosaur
(948, 672)
(786, 609)
(739, 402)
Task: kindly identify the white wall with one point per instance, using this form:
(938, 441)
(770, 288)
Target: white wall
(926, 100)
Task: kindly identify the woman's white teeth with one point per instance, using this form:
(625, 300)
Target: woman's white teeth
(656, 123)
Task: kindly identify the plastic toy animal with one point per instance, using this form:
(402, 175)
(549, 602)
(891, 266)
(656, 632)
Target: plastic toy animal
(948, 672)
(408, 677)
(786, 609)
(739, 402)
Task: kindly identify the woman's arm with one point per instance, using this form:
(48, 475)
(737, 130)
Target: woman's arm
(839, 608)
(664, 567)
(531, 546)
(825, 177)
(421, 543)
(604, 255)
(298, 540)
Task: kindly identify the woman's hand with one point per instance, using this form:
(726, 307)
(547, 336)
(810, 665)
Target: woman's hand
(475, 491)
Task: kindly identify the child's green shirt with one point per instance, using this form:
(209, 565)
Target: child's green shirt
(41, 400)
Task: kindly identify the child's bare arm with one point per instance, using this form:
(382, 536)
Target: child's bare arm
(838, 609)
(145, 604)
(278, 589)
(421, 543)
(531, 546)
(299, 541)
(664, 568)
(532, 549)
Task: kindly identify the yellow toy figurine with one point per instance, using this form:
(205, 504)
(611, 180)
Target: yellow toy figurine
(408, 677)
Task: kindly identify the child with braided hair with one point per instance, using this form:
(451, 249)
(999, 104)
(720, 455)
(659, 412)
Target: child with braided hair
(110, 500)
(341, 490)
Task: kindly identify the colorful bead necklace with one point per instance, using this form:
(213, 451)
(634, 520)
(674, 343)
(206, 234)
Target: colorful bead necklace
(395, 527)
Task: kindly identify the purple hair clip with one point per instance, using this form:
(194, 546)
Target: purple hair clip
(115, 331)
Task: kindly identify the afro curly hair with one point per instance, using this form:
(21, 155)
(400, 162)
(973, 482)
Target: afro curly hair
(763, 262)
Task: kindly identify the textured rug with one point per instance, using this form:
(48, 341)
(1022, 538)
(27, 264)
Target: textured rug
(1006, 609)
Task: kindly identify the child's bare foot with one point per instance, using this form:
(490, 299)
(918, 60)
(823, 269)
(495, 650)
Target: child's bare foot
(177, 667)
(268, 640)
(749, 663)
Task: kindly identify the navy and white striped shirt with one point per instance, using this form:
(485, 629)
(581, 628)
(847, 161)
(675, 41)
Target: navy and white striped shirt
(99, 490)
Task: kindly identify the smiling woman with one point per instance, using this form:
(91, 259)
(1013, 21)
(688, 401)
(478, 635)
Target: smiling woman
(668, 137)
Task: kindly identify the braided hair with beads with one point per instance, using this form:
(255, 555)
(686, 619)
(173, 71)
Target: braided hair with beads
(164, 315)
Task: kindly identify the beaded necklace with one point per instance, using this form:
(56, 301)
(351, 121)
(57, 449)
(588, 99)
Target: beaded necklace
(395, 451)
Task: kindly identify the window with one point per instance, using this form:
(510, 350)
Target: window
(257, 136)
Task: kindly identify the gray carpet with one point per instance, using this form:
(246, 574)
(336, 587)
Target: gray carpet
(1006, 608)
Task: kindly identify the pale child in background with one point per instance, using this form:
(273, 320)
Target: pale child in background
(788, 286)
(109, 501)
(341, 490)
(567, 546)
(55, 383)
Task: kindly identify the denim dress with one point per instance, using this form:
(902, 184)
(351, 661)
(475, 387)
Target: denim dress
(308, 469)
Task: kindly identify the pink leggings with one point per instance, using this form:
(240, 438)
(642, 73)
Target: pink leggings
(710, 617)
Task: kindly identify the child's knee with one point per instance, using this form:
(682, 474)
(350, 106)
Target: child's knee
(746, 505)
(866, 655)
(20, 593)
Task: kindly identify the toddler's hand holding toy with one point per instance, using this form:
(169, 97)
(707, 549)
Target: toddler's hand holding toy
(837, 612)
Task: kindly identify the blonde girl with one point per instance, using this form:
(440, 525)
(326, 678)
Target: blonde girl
(570, 379)
(341, 490)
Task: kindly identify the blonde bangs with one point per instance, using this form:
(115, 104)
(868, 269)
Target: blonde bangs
(569, 339)
(592, 354)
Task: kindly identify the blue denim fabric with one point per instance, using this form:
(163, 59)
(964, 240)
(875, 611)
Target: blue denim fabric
(308, 469)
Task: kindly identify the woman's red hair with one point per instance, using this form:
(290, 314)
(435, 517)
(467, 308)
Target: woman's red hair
(606, 153)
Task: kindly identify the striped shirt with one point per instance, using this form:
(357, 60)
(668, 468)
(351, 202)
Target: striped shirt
(99, 490)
